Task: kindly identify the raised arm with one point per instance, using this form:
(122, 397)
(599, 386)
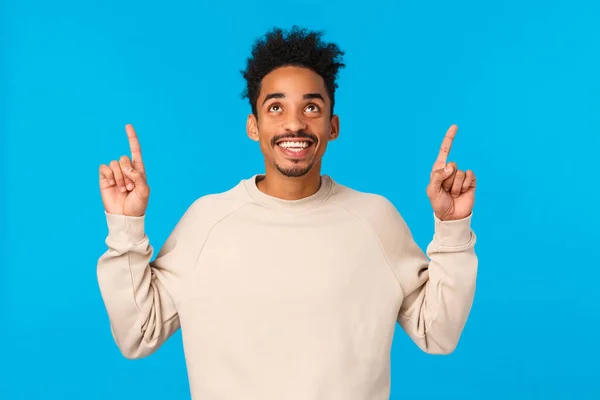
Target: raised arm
(137, 294)
(439, 286)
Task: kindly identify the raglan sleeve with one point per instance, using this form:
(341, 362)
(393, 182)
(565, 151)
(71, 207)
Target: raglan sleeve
(438, 285)
(139, 294)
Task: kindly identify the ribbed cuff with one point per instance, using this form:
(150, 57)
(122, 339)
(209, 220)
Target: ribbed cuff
(125, 229)
(453, 233)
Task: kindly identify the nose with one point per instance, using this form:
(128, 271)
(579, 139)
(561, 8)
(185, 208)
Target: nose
(294, 123)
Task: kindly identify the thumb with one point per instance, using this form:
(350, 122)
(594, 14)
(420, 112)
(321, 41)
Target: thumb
(130, 172)
(133, 174)
(438, 176)
(139, 182)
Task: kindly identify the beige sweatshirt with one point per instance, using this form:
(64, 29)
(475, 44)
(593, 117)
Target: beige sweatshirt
(294, 300)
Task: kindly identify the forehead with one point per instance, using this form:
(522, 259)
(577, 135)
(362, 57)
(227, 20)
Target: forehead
(293, 82)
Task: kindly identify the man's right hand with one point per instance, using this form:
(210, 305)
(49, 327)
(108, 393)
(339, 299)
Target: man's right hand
(123, 183)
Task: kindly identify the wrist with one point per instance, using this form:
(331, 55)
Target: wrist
(125, 228)
(453, 232)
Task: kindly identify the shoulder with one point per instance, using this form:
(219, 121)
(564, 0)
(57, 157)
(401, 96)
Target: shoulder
(207, 210)
(210, 208)
(375, 210)
(200, 217)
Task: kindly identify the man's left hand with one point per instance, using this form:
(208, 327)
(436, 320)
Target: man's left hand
(450, 190)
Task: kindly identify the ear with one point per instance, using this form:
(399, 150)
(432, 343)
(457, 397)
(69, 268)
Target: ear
(335, 128)
(252, 127)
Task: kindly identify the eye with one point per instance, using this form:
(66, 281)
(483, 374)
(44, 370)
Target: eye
(314, 108)
(275, 108)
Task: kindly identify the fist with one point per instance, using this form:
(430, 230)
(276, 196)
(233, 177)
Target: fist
(123, 184)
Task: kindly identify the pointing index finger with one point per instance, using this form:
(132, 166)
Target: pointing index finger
(134, 146)
(445, 148)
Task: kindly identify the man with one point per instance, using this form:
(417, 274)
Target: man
(288, 285)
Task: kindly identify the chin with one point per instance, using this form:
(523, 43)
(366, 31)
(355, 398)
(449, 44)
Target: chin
(294, 170)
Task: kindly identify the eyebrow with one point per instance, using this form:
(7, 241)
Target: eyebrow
(282, 95)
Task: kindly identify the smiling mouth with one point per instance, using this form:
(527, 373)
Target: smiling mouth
(296, 145)
(295, 149)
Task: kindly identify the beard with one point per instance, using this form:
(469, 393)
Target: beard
(294, 171)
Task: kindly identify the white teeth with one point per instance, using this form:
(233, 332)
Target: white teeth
(294, 146)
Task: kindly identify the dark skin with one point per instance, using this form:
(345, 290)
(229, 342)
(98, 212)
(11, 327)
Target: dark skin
(293, 103)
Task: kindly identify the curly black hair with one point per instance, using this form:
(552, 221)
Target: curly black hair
(296, 47)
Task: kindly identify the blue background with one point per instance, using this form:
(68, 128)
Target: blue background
(519, 78)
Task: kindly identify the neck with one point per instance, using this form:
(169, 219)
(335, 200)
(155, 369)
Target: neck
(277, 185)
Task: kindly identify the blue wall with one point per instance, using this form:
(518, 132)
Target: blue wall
(519, 78)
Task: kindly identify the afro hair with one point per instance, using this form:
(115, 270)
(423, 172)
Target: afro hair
(296, 47)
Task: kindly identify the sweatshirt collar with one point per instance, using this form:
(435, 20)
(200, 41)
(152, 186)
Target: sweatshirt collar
(302, 204)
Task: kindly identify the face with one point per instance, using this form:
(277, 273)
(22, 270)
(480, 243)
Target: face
(293, 123)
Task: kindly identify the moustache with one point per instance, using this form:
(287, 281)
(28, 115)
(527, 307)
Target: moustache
(294, 135)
